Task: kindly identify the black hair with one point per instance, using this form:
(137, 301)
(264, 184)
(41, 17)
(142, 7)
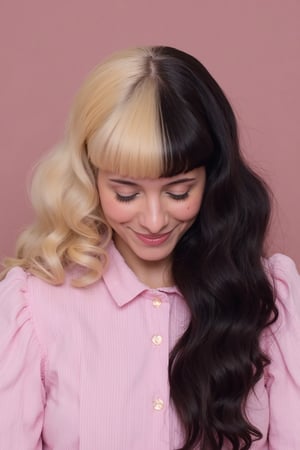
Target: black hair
(217, 264)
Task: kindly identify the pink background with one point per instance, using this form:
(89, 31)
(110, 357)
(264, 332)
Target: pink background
(250, 46)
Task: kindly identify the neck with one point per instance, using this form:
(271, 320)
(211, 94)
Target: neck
(154, 274)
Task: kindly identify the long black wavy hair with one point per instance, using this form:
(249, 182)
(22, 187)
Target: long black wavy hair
(217, 264)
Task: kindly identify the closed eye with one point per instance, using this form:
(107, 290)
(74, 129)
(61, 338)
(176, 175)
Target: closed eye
(125, 198)
(178, 196)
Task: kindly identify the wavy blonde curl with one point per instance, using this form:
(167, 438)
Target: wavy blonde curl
(69, 228)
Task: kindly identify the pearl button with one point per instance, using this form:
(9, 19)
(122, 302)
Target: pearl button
(156, 302)
(158, 404)
(156, 339)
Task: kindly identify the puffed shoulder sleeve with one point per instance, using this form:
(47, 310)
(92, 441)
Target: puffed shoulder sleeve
(21, 368)
(283, 373)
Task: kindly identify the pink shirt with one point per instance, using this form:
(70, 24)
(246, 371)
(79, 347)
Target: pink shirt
(87, 369)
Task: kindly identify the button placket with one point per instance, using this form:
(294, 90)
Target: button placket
(156, 338)
(160, 345)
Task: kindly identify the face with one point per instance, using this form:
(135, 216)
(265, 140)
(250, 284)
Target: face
(149, 216)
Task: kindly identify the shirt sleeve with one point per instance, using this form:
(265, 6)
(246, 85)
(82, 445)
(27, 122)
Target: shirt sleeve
(21, 368)
(283, 373)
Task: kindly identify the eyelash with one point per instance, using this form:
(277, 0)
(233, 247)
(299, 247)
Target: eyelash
(179, 197)
(125, 198)
(129, 198)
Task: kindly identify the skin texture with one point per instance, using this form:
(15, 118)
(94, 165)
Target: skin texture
(149, 216)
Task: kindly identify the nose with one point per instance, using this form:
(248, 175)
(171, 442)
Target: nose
(154, 217)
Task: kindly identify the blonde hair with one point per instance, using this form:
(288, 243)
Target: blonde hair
(114, 125)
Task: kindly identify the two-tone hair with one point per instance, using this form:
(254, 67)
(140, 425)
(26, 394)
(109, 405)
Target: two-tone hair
(152, 112)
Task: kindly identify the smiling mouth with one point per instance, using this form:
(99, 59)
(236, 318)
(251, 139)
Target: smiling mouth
(153, 239)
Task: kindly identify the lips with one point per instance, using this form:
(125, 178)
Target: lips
(153, 239)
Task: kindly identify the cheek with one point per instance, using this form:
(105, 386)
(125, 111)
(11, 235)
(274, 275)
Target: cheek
(189, 210)
(115, 212)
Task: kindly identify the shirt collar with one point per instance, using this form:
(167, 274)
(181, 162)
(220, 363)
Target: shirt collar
(121, 281)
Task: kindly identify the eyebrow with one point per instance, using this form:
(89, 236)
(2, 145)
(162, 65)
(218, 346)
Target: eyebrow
(132, 183)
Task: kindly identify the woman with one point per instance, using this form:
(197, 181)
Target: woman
(139, 312)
